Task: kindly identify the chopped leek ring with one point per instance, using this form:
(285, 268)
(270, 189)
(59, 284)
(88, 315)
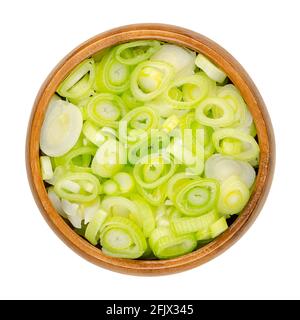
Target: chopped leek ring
(121, 182)
(79, 83)
(139, 120)
(46, 168)
(218, 227)
(222, 167)
(197, 197)
(89, 209)
(189, 150)
(69, 158)
(192, 195)
(159, 74)
(93, 133)
(56, 202)
(70, 208)
(121, 237)
(109, 159)
(58, 172)
(120, 206)
(225, 114)
(124, 181)
(192, 123)
(185, 225)
(111, 188)
(154, 171)
(171, 246)
(194, 90)
(73, 212)
(155, 143)
(155, 196)
(210, 69)
(112, 76)
(251, 150)
(73, 194)
(132, 53)
(180, 58)
(145, 215)
(61, 128)
(92, 232)
(234, 195)
(106, 109)
(234, 98)
(170, 123)
(213, 230)
(130, 101)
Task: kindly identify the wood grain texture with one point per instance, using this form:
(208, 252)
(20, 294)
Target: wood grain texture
(241, 80)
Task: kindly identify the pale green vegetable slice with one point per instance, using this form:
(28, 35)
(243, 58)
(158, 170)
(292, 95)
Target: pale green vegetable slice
(92, 232)
(152, 171)
(73, 212)
(210, 69)
(149, 79)
(185, 225)
(79, 83)
(166, 245)
(145, 215)
(67, 187)
(46, 168)
(192, 195)
(121, 237)
(89, 209)
(93, 133)
(234, 98)
(192, 89)
(111, 75)
(213, 230)
(181, 59)
(109, 159)
(124, 181)
(234, 195)
(61, 128)
(111, 188)
(135, 52)
(248, 149)
(222, 167)
(120, 206)
(56, 202)
(224, 117)
(106, 109)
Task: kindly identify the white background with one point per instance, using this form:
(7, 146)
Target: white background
(262, 35)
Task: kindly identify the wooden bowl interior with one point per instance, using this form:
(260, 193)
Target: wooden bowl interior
(239, 78)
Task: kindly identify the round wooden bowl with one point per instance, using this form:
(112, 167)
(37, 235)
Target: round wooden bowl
(240, 79)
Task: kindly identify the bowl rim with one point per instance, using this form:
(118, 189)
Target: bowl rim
(240, 79)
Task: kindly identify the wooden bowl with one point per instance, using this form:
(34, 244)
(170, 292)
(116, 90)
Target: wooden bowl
(240, 79)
